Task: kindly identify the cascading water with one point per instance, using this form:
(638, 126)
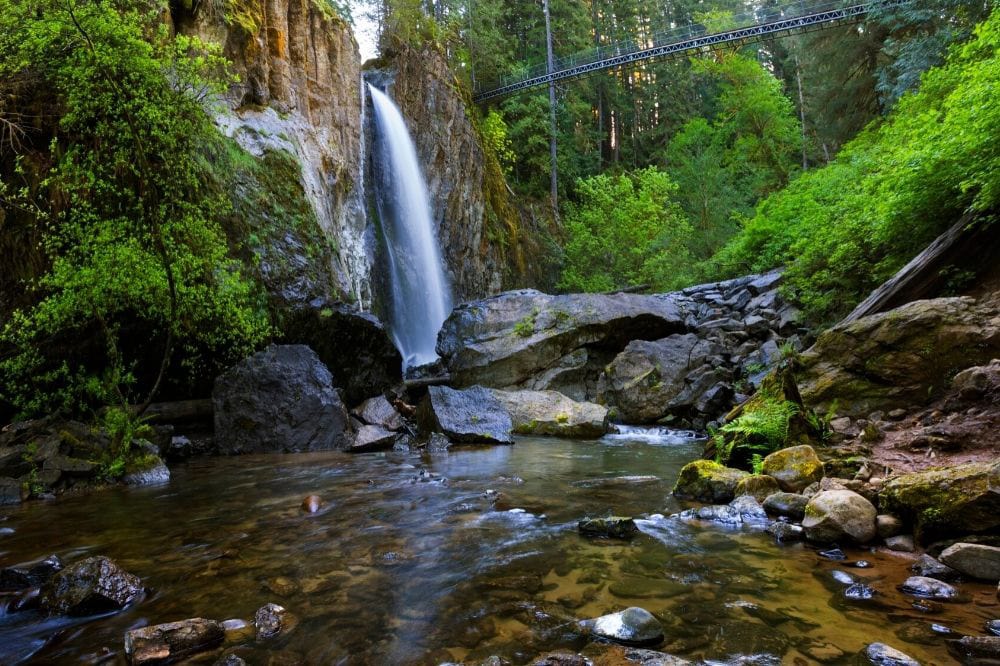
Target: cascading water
(420, 294)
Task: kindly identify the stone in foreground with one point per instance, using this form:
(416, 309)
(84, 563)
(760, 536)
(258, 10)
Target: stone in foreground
(632, 626)
(928, 588)
(552, 413)
(976, 649)
(472, 415)
(708, 481)
(173, 641)
(613, 527)
(95, 585)
(974, 560)
(832, 515)
(271, 620)
(880, 654)
(794, 468)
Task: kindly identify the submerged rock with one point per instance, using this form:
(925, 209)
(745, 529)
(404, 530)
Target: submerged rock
(928, 588)
(278, 400)
(794, 468)
(615, 527)
(880, 654)
(472, 415)
(708, 481)
(632, 626)
(832, 515)
(271, 620)
(973, 559)
(552, 413)
(95, 585)
(173, 641)
(957, 500)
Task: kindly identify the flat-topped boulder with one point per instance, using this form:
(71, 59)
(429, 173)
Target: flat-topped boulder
(552, 413)
(515, 337)
(468, 416)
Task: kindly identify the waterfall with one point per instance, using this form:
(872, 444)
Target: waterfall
(420, 295)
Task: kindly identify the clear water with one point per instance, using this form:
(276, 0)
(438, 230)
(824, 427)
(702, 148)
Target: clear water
(421, 297)
(411, 561)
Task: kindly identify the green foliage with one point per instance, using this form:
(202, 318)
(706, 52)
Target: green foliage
(844, 229)
(496, 137)
(756, 464)
(627, 230)
(137, 258)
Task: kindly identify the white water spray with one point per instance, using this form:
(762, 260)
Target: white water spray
(421, 297)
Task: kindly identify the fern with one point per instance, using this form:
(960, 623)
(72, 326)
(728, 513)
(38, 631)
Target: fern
(767, 421)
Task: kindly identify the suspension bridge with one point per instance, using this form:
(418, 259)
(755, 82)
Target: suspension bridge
(794, 17)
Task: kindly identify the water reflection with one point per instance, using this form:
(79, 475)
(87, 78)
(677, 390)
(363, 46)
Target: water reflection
(458, 556)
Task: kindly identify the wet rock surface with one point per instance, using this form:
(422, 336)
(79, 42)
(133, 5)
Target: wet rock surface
(614, 527)
(880, 654)
(632, 626)
(94, 585)
(30, 574)
(278, 400)
(832, 515)
(708, 481)
(790, 505)
(472, 415)
(172, 641)
(929, 588)
(552, 413)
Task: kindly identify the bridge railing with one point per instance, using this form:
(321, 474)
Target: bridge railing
(761, 16)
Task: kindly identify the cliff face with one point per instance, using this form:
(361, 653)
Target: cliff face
(298, 94)
(478, 225)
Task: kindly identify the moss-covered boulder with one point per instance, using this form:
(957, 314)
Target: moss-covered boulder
(836, 515)
(552, 413)
(794, 468)
(758, 486)
(708, 481)
(946, 501)
(611, 527)
(900, 358)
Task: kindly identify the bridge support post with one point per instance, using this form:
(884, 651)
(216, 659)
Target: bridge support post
(553, 167)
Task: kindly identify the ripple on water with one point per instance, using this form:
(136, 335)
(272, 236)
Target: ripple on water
(409, 560)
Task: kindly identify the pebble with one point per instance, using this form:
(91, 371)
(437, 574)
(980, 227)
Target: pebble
(842, 577)
(311, 504)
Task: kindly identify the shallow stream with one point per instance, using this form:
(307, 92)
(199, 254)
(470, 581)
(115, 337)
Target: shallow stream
(456, 556)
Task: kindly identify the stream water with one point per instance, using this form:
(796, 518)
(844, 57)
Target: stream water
(422, 559)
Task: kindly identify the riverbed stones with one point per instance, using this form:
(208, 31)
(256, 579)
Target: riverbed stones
(633, 626)
(372, 438)
(973, 559)
(758, 486)
(30, 574)
(708, 481)
(832, 515)
(311, 503)
(976, 649)
(271, 620)
(789, 505)
(281, 399)
(611, 527)
(378, 411)
(472, 415)
(932, 568)
(929, 588)
(94, 585)
(172, 641)
(552, 413)
(957, 500)
(902, 543)
(880, 654)
(993, 627)
(785, 532)
(10, 491)
(794, 468)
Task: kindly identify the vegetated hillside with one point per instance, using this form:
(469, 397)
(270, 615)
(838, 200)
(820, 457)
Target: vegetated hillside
(843, 229)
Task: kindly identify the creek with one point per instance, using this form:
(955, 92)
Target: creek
(427, 558)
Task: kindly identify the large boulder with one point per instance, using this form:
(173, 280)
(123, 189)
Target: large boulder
(552, 413)
(94, 585)
(527, 339)
(708, 481)
(472, 415)
(354, 343)
(946, 501)
(650, 379)
(900, 358)
(278, 400)
(833, 515)
(794, 468)
(172, 641)
(973, 559)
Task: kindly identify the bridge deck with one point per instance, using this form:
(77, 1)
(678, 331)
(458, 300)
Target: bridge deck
(775, 20)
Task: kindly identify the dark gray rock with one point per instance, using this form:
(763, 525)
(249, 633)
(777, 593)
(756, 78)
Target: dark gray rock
(790, 505)
(372, 438)
(10, 491)
(279, 400)
(612, 527)
(438, 442)
(880, 654)
(95, 585)
(902, 543)
(30, 574)
(783, 532)
(172, 641)
(552, 413)
(472, 415)
(979, 650)
(632, 626)
(378, 411)
(928, 588)
(928, 567)
(353, 343)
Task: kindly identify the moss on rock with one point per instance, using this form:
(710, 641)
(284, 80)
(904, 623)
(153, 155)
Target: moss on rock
(708, 481)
